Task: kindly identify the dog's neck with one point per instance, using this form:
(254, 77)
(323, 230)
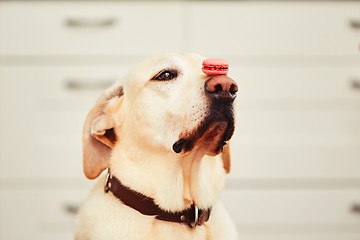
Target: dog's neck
(174, 181)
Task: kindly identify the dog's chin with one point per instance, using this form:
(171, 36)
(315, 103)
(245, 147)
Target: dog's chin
(210, 136)
(214, 139)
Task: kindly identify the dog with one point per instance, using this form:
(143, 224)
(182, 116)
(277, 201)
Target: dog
(161, 135)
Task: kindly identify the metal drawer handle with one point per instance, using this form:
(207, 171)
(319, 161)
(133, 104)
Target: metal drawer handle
(83, 84)
(90, 22)
(355, 84)
(355, 24)
(71, 209)
(356, 208)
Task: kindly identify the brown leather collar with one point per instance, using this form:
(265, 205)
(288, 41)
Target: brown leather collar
(146, 205)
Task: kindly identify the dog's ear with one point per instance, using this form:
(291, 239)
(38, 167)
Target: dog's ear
(98, 132)
(225, 156)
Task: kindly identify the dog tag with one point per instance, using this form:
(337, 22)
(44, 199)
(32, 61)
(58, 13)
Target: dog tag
(215, 66)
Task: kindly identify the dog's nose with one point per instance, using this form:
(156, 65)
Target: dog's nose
(221, 87)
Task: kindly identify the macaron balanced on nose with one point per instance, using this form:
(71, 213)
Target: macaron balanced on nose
(215, 66)
(219, 86)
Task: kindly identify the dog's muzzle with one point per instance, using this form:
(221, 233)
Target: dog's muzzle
(218, 126)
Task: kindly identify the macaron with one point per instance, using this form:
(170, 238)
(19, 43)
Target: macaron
(215, 66)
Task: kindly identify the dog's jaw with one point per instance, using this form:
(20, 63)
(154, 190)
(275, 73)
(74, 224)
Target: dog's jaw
(211, 133)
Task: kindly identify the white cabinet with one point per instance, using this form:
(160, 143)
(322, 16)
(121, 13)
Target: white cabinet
(296, 150)
(38, 214)
(76, 28)
(332, 86)
(276, 28)
(295, 214)
(289, 208)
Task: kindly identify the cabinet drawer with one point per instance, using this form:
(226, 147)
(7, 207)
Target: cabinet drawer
(298, 122)
(42, 115)
(279, 157)
(276, 27)
(329, 86)
(290, 212)
(89, 27)
(39, 214)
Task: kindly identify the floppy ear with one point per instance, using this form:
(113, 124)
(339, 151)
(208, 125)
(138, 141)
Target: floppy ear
(98, 132)
(225, 156)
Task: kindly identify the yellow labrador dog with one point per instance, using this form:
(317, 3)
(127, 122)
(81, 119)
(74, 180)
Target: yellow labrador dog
(161, 136)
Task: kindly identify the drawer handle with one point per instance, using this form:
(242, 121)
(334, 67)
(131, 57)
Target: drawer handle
(355, 208)
(355, 84)
(355, 24)
(90, 22)
(71, 209)
(83, 84)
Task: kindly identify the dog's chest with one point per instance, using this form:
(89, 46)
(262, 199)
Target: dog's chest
(152, 230)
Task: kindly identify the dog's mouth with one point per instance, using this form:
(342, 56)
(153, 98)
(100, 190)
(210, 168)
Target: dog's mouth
(212, 133)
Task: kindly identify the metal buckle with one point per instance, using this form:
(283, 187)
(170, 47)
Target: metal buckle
(195, 222)
(107, 186)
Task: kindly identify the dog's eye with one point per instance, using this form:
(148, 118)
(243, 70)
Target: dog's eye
(166, 75)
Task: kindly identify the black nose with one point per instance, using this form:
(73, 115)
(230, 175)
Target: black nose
(221, 88)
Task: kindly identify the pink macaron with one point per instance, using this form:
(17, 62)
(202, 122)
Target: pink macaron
(215, 66)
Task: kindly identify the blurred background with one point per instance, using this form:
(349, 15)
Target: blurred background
(296, 150)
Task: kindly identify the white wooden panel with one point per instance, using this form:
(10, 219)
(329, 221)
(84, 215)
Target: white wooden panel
(275, 27)
(274, 151)
(135, 28)
(295, 162)
(297, 83)
(293, 212)
(293, 121)
(38, 214)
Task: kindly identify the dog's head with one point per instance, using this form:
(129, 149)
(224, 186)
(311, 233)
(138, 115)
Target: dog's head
(165, 104)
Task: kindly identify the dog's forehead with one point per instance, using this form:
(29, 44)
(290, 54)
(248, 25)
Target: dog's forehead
(177, 61)
(147, 69)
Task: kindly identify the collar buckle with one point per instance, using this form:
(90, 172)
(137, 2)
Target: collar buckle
(196, 217)
(107, 182)
(200, 216)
